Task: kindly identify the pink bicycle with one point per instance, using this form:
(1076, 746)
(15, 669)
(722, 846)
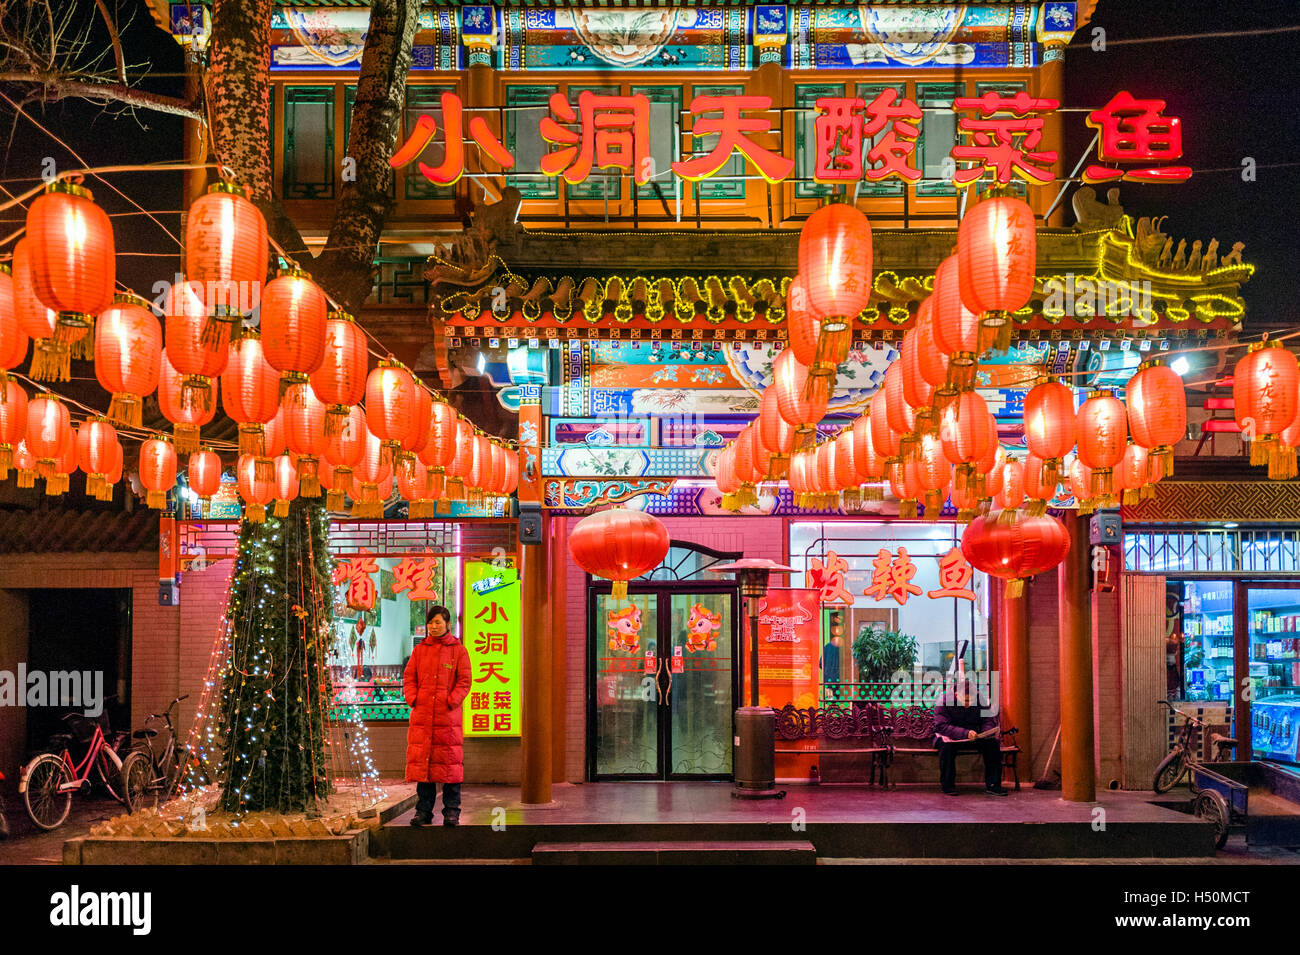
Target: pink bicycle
(49, 780)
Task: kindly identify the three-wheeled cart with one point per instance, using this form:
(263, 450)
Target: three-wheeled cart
(1262, 796)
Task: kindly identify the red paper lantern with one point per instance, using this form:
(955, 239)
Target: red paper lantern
(901, 415)
(1264, 392)
(303, 416)
(1050, 427)
(186, 419)
(884, 439)
(343, 449)
(440, 450)
(510, 483)
(250, 393)
(96, 440)
(1157, 411)
(13, 340)
(13, 423)
(800, 322)
(931, 360)
(956, 328)
(1282, 468)
(25, 463)
(255, 486)
(869, 461)
(51, 353)
(800, 485)
(846, 461)
(901, 488)
(724, 477)
(286, 484)
(417, 437)
(481, 471)
(966, 499)
(800, 398)
(1010, 495)
(932, 472)
(1016, 550)
(775, 435)
(73, 260)
(835, 261)
(967, 431)
(226, 253)
(619, 545)
(390, 404)
(184, 317)
(1133, 477)
(340, 381)
(1102, 433)
(204, 472)
(417, 487)
(917, 392)
(1040, 484)
(49, 428)
(1081, 486)
(997, 250)
(371, 471)
(461, 465)
(824, 482)
(157, 470)
(745, 464)
(128, 356)
(64, 465)
(293, 325)
(114, 473)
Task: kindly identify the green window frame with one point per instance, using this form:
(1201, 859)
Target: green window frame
(665, 141)
(308, 152)
(805, 140)
(715, 187)
(1019, 186)
(525, 107)
(892, 186)
(937, 116)
(426, 99)
(602, 184)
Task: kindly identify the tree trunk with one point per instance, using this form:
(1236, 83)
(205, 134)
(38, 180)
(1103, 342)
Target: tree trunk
(346, 266)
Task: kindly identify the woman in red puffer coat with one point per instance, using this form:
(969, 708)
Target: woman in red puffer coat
(436, 682)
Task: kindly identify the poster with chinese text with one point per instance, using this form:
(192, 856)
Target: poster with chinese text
(491, 635)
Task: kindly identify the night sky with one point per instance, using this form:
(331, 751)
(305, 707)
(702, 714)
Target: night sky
(1234, 95)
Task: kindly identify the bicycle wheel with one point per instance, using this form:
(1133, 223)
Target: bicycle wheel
(1213, 808)
(47, 806)
(137, 774)
(110, 777)
(1169, 771)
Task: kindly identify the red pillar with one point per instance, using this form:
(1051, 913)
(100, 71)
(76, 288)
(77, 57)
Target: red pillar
(1078, 743)
(1013, 620)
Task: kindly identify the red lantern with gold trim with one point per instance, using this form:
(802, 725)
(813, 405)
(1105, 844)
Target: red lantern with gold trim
(157, 470)
(440, 450)
(461, 465)
(956, 328)
(226, 253)
(1015, 550)
(1134, 476)
(997, 251)
(967, 430)
(1157, 411)
(932, 472)
(800, 322)
(1050, 426)
(303, 415)
(390, 404)
(51, 353)
(96, 439)
(204, 472)
(128, 356)
(775, 435)
(184, 317)
(49, 428)
(255, 487)
(417, 487)
(835, 260)
(73, 259)
(250, 393)
(801, 398)
(186, 419)
(372, 470)
(13, 423)
(618, 545)
(931, 360)
(1264, 392)
(343, 450)
(1102, 435)
(870, 462)
(1081, 486)
(286, 483)
(901, 415)
(340, 381)
(1039, 485)
(13, 340)
(293, 326)
(917, 392)
(1011, 487)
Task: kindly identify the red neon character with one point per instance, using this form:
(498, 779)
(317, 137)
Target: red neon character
(1005, 144)
(416, 575)
(452, 166)
(829, 578)
(614, 132)
(1132, 130)
(897, 146)
(491, 642)
(891, 576)
(356, 572)
(954, 576)
(837, 131)
(733, 136)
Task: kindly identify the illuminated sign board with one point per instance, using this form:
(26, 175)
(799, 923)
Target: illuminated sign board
(491, 635)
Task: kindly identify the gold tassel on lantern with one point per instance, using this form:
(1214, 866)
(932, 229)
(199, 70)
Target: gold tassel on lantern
(833, 342)
(51, 360)
(252, 440)
(308, 476)
(288, 380)
(1007, 515)
(619, 590)
(1130, 496)
(343, 480)
(77, 331)
(223, 326)
(1014, 589)
(1282, 464)
(264, 469)
(455, 489)
(746, 497)
(437, 485)
(873, 492)
(933, 503)
(1163, 460)
(281, 508)
(125, 410)
(185, 437)
(995, 331)
(907, 508)
(966, 515)
(961, 371)
(255, 513)
(1103, 484)
(778, 467)
(95, 486)
(1050, 473)
(336, 416)
(1259, 449)
(334, 500)
(1036, 507)
(26, 477)
(156, 499)
(6, 458)
(196, 392)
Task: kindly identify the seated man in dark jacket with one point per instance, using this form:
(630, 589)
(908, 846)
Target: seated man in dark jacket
(960, 723)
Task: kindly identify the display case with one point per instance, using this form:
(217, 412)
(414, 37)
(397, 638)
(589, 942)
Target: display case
(1274, 617)
(1275, 729)
(1199, 636)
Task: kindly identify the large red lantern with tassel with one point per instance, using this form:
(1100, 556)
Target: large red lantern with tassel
(835, 261)
(256, 488)
(1264, 392)
(250, 393)
(157, 470)
(869, 461)
(49, 428)
(1081, 486)
(1050, 426)
(416, 485)
(13, 340)
(303, 415)
(932, 472)
(775, 435)
(932, 361)
(390, 404)
(417, 436)
(1011, 486)
(340, 381)
(286, 484)
(1102, 434)
(440, 450)
(96, 440)
(128, 356)
(371, 471)
(187, 418)
(51, 352)
(343, 449)
(73, 260)
(184, 317)
(64, 465)
(1017, 550)
(917, 392)
(800, 322)
(204, 472)
(846, 461)
(619, 545)
(884, 439)
(462, 464)
(1157, 411)
(901, 415)
(967, 430)
(13, 423)
(956, 328)
(293, 325)
(226, 252)
(997, 250)
(1134, 477)
(799, 400)
(1039, 484)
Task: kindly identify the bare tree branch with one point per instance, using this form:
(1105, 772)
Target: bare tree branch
(54, 86)
(115, 39)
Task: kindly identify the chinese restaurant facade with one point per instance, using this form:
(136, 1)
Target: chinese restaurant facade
(625, 303)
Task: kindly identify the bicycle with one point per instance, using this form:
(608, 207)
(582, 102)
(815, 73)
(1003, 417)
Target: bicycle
(146, 770)
(48, 782)
(1174, 766)
(4, 823)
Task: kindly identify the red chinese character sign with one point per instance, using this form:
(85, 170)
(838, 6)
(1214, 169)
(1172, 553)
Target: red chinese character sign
(452, 166)
(1003, 138)
(828, 578)
(415, 576)
(789, 648)
(955, 574)
(733, 129)
(613, 132)
(843, 126)
(1134, 131)
(355, 572)
(891, 576)
(491, 635)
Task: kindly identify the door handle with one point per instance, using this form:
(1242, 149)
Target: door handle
(668, 696)
(659, 693)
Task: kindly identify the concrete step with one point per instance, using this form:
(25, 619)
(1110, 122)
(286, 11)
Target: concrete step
(675, 853)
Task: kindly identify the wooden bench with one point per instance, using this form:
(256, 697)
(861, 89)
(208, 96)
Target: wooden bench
(911, 731)
(880, 732)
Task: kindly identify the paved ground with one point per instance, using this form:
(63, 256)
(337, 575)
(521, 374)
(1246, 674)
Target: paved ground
(29, 845)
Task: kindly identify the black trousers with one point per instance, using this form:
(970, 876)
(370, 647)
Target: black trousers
(990, 748)
(426, 793)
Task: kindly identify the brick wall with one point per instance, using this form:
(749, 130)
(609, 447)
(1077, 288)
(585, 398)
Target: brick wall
(749, 536)
(13, 651)
(1044, 672)
(1108, 687)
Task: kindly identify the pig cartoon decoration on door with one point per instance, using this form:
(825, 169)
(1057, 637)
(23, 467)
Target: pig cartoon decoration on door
(701, 629)
(623, 627)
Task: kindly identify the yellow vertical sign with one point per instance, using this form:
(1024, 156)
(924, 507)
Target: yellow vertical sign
(491, 633)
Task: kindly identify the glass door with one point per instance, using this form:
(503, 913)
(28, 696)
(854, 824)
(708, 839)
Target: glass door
(1273, 615)
(663, 686)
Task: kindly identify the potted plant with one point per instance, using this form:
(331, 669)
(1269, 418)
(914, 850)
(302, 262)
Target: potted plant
(878, 652)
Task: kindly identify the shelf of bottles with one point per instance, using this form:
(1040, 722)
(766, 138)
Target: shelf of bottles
(1208, 636)
(1275, 673)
